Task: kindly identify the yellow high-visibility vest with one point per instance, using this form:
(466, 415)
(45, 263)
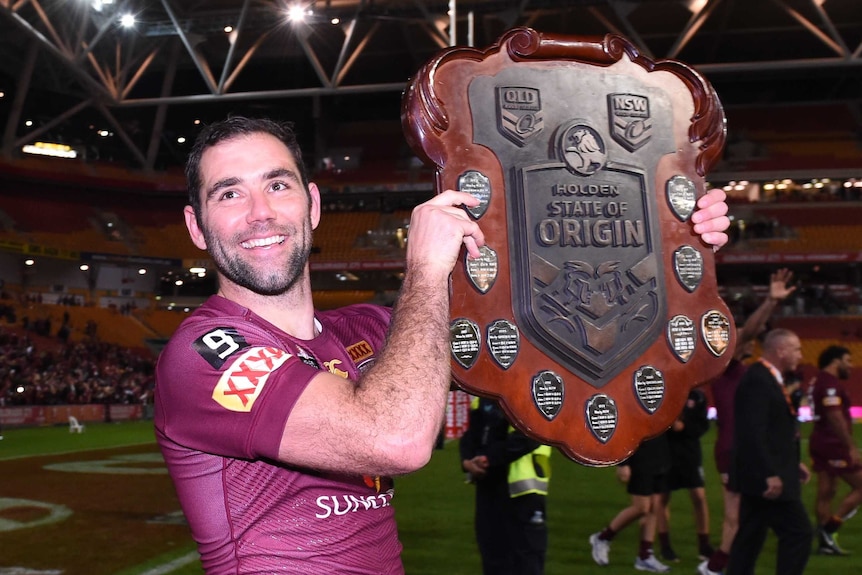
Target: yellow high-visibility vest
(530, 473)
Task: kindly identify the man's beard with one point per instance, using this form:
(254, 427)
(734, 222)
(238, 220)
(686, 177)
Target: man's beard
(264, 282)
(843, 373)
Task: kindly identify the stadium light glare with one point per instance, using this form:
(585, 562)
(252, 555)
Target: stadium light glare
(50, 149)
(127, 20)
(297, 13)
(84, 267)
(29, 262)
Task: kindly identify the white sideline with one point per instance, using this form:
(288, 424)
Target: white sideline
(171, 566)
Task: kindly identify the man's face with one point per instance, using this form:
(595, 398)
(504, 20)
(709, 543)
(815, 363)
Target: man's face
(845, 364)
(790, 353)
(256, 217)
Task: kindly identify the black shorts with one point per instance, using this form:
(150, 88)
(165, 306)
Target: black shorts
(647, 483)
(686, 476)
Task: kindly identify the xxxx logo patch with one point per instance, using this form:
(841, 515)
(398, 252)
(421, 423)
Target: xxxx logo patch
(241, 385)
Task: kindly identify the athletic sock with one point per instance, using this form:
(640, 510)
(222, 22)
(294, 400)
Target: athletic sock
(645, 549)
(607, 534)
(718, 561)
(833, 524)
(664, 540)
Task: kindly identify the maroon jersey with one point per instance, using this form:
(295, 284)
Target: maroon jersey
(225, 386)
(827, 448)
(723, 391)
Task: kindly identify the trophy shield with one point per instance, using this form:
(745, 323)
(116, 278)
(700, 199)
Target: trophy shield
(582, 313)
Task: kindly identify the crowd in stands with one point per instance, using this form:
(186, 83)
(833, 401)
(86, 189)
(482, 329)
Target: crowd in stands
(72, 373)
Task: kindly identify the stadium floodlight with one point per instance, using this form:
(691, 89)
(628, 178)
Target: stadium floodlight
(127, 20)
(297, 13)
(50, 149)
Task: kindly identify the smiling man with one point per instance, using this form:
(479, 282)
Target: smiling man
(281, 425)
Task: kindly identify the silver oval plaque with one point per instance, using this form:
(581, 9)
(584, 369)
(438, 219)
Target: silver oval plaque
(477, 185)
(601, 414)
(504, 341)
(688, 265)
(681, 195)
(482, 271)
(548, 392)
(464, 338)
(649, 387)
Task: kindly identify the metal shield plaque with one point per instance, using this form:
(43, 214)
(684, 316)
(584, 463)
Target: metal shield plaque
(649, 387)
(681, 196)
(464, 341)
(591, 157)
(682, 337)
(476, 184)
(548, 392)
(482, 271)
(715, 328)
(688, 266)
(504, 341)
(601, 417)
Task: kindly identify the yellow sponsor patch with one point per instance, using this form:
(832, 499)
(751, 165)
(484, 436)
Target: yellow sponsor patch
(241, 384)
(360, 351)
(831, 401)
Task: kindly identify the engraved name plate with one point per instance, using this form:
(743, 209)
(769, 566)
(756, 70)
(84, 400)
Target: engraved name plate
(479, 186)
(504, 341)
(464, 341)
(649, 387)
(682, 337)
(682, 196)
(715, 328)
(548, 393)
(688, 265)
(482, 271)
(601, 415)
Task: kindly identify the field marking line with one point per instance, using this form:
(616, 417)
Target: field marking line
(14, 457)
(172, 566)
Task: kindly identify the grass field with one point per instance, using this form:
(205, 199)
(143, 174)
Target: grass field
(434, 508)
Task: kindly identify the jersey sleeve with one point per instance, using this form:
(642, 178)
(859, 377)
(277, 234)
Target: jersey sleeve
(226, 387)
(827, 397)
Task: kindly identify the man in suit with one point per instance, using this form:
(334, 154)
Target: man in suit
(765, 469)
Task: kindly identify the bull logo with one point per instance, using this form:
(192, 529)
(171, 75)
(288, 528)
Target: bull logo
(629, 118)
(519, 113)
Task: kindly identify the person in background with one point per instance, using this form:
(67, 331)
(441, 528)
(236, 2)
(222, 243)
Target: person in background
(723, 390)
(645, 476)
(765, 468)
(833, 451)
(686, 472)
(280, 425)
(511, 474)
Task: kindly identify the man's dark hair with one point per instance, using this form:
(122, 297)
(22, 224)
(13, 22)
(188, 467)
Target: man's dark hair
(228, 129)
(830, 354)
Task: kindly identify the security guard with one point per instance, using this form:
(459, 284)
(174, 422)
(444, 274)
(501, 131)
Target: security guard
(511, 473)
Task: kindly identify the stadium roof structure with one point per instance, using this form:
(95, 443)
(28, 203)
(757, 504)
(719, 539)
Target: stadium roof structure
(70, 71)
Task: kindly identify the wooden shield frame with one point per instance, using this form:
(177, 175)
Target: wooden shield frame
(594, 308)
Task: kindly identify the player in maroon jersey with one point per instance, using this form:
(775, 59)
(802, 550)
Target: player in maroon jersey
(833, 452)
(280, 424)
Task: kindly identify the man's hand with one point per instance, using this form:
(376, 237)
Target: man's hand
(774, 487)
(710, 220)
(804, 473)
(477, 467)
(778, 281)
(438, 227)
(624, 473)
